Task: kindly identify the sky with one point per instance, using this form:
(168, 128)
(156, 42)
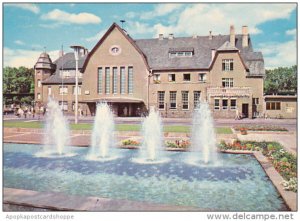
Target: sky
(29, 29)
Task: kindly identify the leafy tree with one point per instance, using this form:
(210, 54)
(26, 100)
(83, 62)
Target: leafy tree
(282, 80)
(18, 81)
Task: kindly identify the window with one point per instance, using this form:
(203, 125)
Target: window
(172, 99)
(39, 83)
(122, 80)
(172, 77)
(227, 65)
(78, 92)
(186, 77)
(63, 90)
(273, 106)
(255, 101)
(161, 99)
(107, 80)
(115, 50)
(185, 100)
(227, 82)
(49, 90)
(217, 104)
(63, 105)
(202, 77)
(130, 80)
(196, 99)
(38, 96)
(115, 80)
(156, 78)
(232, 104)
(225, 104)
(180, 54)
(99, 85)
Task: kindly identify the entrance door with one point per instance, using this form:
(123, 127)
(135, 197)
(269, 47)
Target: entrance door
(245, 110)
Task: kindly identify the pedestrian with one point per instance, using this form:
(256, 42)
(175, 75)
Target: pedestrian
(33, 112)
(237, 114)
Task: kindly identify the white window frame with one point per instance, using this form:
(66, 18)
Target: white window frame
(170, 77)
(216, 107)
(39, 83)
(161, 100)
(39, 96)
(156, 77)
(173, 95)
(122, 80)
(226, 63)
(233, 107)
(79, 90)
(49, 90)
(184, 75)
(228, 82)
(63, 105)
(224, 107)
(63, 90)
(197, 100)
(107, 80)
(185, 99)
(202, 77)
(115, 80)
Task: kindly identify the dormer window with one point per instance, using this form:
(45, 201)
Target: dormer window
(181, 52)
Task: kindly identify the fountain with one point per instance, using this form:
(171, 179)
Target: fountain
(56, 132)
(152, 146)
(203, 138)
(103, 134)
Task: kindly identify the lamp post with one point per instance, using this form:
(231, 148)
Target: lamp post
(77, 49)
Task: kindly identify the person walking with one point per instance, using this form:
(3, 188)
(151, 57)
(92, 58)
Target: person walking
(237, 115)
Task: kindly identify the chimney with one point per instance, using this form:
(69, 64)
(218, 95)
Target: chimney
(232, 36)
(60, 53)
(245, 36)
(161, 37)
(210, 36)
(171, 36)
(213, 53)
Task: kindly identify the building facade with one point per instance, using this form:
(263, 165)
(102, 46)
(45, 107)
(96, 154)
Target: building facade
(173, 74)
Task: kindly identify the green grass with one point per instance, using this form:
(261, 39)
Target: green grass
(119, 127)
(20, 124)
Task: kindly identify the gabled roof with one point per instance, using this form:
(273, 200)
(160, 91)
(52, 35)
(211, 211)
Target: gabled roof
(112, 27)
(227, 47)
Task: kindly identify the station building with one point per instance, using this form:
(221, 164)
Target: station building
(171, 73)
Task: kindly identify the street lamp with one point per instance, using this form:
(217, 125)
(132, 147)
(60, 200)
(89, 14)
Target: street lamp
(77, 49)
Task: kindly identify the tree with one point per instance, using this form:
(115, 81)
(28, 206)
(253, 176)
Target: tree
(282, 80)
(18, 81)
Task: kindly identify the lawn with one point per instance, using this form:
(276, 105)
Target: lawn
(119, 127)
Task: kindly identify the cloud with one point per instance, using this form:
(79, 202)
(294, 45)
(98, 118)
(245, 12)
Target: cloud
(19, 42)
(65, 17)
(29, 7)
(278, 54)
(26, 58)
(291, 32)
(202, 18)
(96, 37)
(160, 10)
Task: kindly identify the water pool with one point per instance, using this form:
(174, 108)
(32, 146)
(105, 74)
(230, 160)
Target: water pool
(238, 183)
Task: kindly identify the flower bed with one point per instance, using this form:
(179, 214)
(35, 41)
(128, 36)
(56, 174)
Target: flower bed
(259, 128)
(178, 144)
(130, 143)
(284, 162)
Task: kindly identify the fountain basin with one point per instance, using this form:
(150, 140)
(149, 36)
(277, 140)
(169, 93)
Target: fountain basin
(239, 184)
